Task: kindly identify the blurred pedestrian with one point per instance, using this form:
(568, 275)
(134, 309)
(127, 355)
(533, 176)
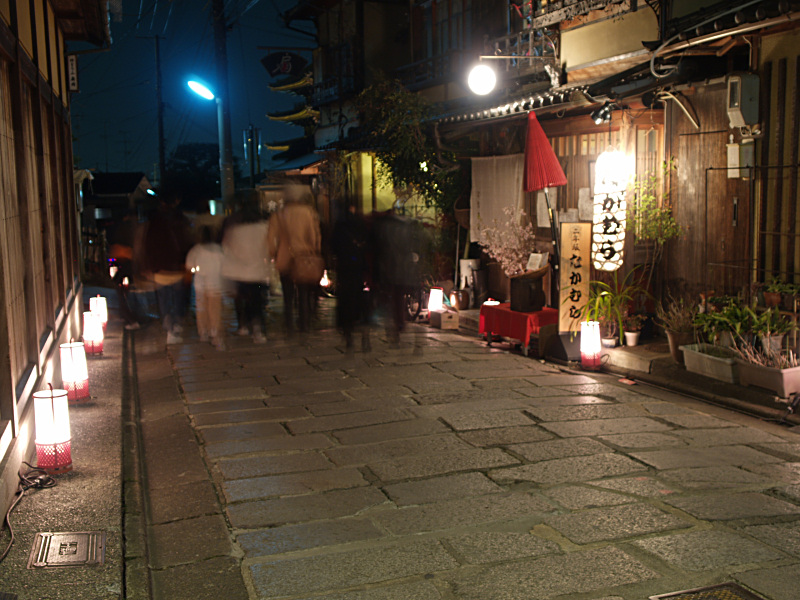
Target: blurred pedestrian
(246, 264)
(350, 245)
(204, 260)
(167, 239)
(398, 245)
(295, 244)
(121, 250)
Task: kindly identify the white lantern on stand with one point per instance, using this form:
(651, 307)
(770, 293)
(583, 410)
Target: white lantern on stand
(53, 438)
(74, 372)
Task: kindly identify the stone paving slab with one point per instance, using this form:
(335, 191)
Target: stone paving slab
(450, 462)
(237, 393)
(192, 580)
(307, 399)
(703, 457)
(396, 449)
(723, 507)
(560, 379)
(189, 540)
(435, 385)
(573, 469)
(261, 445)
(242, 431)
(727, 436)
(612, 523)
(504, 436)
(291, 484)
(304, 536)
(348, 569)
(348, 421)
(643, 486)
(249, 416)
(491, 369)
(225, 405)
(487, 420)
(708, 550)
(414, 590)
(779, 583)
(183, 501)
(552, 576)
(785, 472)
(439, 489)
(630, 441)
(254, 466)
(715, 478)
(785, 450)
(384, 391)
(605, 426)
(466, 512)
(614, 392)
(584, 411)
(313, 386)
(472, 395)
(483, 547)
(562, 448)
(298, 509)
(354, 406)
(228, 384)
(697, 421)
(576, 497)
(785, 536)
(471, 407)
(389, 431)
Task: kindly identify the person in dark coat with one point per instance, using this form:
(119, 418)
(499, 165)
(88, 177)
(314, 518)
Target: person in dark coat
(350, 245)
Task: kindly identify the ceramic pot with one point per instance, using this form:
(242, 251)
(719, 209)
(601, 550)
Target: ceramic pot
(677, 339)
(459, 299)
(632, 338)
(772, 299)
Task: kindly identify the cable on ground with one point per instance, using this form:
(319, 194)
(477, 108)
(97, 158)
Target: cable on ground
(36, 479)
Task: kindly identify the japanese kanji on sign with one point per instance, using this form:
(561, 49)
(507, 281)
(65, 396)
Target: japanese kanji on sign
(576, 242)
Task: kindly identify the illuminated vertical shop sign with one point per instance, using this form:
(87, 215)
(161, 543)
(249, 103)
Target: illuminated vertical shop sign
(575, 256)
(608, 223)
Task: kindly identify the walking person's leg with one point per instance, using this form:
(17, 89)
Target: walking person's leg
(288, 302)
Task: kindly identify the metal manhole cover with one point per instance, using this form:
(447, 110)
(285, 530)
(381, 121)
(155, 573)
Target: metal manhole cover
(70, 549)
(723, 591)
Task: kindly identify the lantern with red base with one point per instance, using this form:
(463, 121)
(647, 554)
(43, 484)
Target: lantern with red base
(99, 305)
(53, 439)
(92, 333)
(74, 372)
(590, 345)
(436, 299)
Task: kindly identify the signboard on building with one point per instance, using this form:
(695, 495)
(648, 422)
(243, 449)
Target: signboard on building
(576, 246)
(72, 73)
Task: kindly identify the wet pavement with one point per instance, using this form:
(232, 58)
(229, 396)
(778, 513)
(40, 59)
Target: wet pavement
(436, 468)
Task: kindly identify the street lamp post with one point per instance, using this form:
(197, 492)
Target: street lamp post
(226, 183)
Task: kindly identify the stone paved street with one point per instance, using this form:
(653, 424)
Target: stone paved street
(443, 469)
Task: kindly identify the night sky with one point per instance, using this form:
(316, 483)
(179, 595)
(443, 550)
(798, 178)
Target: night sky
(114, 116)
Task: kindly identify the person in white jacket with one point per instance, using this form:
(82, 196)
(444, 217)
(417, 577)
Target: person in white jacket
(246, 263)
(204, 260)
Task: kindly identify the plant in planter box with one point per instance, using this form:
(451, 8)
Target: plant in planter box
(771, 326)
(677, 316)
(726, 325)
(776, 371)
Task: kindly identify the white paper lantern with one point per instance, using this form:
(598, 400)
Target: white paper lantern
(436, 299)
(53, 438)
(99, 305)
(590, 345)
(74, 372)
(92, 333)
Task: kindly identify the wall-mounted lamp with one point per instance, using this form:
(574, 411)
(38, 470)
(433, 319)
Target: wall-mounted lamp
(92, 333)
(74, 372)
(482, 79)
(602, 114)
(53, 438)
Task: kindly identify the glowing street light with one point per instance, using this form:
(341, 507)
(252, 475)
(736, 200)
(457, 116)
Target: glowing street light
(225, 154)
(482, 79)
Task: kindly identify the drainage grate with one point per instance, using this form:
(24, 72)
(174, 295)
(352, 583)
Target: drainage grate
(723, 591)
(71, 549)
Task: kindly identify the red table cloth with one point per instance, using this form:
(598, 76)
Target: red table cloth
(499, 319)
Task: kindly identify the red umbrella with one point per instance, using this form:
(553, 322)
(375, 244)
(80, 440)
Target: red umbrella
(542, 170)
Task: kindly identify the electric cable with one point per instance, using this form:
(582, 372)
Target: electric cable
(34, 479)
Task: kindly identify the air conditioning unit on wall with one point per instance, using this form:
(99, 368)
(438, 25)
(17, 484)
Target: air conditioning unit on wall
(742, 99)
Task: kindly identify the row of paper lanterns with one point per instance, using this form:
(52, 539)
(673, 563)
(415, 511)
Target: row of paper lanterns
(51, 406)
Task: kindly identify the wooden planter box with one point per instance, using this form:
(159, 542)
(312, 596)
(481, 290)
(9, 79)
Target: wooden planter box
(712, 361)
(784, 382)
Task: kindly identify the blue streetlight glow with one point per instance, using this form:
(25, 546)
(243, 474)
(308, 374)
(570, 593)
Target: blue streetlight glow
(200, 89)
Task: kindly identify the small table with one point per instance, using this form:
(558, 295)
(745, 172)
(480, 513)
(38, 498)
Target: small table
(499, 319)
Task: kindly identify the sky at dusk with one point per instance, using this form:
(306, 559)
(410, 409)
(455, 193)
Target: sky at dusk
(114, 116)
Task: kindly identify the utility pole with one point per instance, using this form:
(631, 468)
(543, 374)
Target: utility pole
(159, 99)
(226, 182)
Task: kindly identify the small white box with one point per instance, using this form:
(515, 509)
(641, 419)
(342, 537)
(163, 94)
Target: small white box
(444, 319)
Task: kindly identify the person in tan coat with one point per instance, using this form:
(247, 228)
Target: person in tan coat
(294, 241)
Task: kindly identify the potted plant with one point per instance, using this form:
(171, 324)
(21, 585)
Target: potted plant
(774, 291)
(632, 327)
(727, 324)
(775, 371)
(610, 302)
(677, 316)
(771, 327)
